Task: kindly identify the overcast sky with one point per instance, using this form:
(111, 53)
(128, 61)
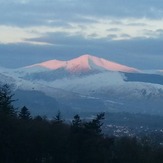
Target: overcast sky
(126, 31)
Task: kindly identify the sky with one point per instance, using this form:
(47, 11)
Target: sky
(129, 32)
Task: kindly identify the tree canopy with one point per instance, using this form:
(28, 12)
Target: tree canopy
(27, 139)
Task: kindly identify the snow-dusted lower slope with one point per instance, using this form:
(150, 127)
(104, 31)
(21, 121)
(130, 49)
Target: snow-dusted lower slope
(86, 84)
(105, 82)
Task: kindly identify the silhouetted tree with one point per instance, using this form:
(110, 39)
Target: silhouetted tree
(6, 100)
(76, 124)
(95, 125)
(24, 113)
(58, 118)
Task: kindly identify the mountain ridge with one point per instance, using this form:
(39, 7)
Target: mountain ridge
(85, 63)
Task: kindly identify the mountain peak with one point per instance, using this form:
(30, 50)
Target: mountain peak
(88, 62)
(84, 63)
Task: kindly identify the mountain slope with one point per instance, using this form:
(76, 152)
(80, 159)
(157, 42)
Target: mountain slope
(84, 63)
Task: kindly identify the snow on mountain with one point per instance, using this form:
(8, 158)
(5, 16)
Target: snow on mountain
(111, 76)
(105, 82)
(84, 63)
(86, 84)
(99, 83)
(5, 79)
(52, 65)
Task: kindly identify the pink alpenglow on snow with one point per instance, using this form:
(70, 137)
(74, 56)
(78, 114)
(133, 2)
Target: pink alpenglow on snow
(52, 64)
(78, 64)
(85, 63)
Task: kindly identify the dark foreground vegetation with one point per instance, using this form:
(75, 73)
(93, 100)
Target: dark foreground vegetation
(27, 139)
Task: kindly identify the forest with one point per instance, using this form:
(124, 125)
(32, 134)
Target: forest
(36, 139)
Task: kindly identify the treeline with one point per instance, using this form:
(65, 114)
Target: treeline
(27, 139)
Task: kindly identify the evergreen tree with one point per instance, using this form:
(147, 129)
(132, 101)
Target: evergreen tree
(58, 118)
(94, 126)
(24, 113)
(6, 100)
(76, 122)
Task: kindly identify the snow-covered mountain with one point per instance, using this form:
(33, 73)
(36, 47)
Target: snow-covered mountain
(89, 83)
(84, 63)
(82, 66)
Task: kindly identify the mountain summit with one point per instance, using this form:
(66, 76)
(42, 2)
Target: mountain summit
(85, 63)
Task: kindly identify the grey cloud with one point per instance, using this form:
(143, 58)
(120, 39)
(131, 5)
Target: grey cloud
(137, 24)
(93, 35)
(113, 29)
(159, 32)
(154, 33)
(124, 35)
(112, 36)
(140, 53)
(146, 46)
(60, 38)
(38, 11)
